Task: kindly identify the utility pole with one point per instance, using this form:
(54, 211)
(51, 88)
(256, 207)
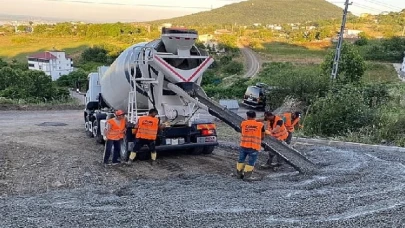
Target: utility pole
(340, 41)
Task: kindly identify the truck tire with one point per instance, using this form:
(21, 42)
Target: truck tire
(96, 132)
(87, 126)
(143, 156)
(208, 149)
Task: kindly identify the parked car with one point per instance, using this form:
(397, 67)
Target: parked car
(255, 96)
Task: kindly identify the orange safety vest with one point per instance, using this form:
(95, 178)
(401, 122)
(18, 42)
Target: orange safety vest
(282, 133)
(147, 128)
(117, 129)
(289, 124)
(251, 134)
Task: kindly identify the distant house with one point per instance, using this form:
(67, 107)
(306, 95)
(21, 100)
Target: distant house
(53, 63)
(350, 33)
(205, 38)
(274, 27)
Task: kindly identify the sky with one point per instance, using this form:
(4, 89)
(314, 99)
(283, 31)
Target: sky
(146, 10)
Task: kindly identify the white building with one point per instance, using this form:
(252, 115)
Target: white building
(53, 63)
(403, 64)
(351, 33)
(402, 69)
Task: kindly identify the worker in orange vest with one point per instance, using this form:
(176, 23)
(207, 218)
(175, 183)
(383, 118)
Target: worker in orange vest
(114, 132)
(291, 119)
(252, 133)
(145, 132)
(275, 128)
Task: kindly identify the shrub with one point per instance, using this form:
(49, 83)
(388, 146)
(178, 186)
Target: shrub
(351, 65)
(71, 79)
(340, 112)
(233, 67)
(210, 78)
(302, 83)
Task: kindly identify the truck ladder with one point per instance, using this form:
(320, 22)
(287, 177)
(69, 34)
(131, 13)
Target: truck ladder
(142, 63)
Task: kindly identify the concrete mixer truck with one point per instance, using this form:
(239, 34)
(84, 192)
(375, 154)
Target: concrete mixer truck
(147, 75)
(165, 74)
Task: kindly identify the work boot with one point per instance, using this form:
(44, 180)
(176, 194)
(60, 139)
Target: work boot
(153, 156)
(131, 158)
(239, 170)
(248, 171)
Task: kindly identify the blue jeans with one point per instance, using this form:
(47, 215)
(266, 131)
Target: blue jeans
(252, 153)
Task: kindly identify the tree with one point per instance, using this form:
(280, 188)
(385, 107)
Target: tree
(363, 39)
(351, 65)
(8, 77)
(71, 79)
(233, 67)
(40, 85)
(3, 63)
(339, 113)
(94, 54)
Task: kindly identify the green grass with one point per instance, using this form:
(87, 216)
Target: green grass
(284, 52)
(380, 72)
(19, 47)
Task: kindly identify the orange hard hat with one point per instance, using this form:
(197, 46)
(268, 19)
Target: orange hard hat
(119, 113)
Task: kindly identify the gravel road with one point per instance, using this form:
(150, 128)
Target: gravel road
(51, 176)
(252, 62)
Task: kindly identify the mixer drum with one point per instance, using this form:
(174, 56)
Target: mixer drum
(115, 82)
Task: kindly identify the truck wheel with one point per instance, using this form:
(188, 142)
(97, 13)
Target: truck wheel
(143, 156)
(208, 149)
(87, 127)
(124, 149)
(96, 132)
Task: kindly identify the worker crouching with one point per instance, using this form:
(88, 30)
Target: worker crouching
(114, 132)
(145, 131)
(252, 133)
(291, 120)
(276, 129)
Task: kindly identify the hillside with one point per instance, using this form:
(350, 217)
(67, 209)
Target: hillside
(263, 11)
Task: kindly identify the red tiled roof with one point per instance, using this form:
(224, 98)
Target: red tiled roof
(43, 55)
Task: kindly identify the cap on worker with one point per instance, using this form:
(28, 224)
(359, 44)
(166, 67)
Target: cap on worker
(119, 113)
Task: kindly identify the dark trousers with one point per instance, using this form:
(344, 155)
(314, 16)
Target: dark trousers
(288, 140)
(107, 150)
(273, 157)
(139, 143)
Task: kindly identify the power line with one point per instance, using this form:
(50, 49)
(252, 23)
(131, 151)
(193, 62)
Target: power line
(382, 4)
(367, 7)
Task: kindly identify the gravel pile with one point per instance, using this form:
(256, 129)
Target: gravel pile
(352, 189)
